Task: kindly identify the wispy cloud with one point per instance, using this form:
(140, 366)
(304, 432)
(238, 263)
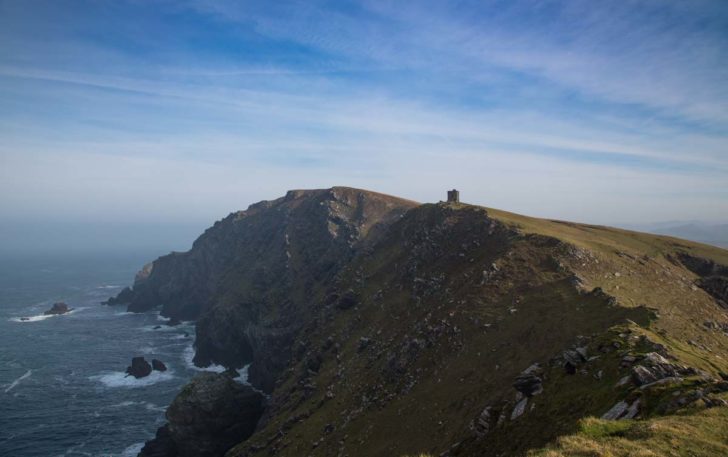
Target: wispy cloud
(584, 111)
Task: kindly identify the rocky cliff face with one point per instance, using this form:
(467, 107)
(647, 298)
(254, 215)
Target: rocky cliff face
(249, 278)
(382, 327)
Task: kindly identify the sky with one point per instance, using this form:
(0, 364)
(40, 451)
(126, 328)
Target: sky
(134, 121)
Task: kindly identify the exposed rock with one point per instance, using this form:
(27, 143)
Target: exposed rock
(632, 411)
(158, 365)
(161, 445)
(616, 411)
(210, 415)
(519, 409)
(482, 424)
(529, 382)
(655, 367)
(347, 300)
(139, 368)
(123, 298)
(58, 308)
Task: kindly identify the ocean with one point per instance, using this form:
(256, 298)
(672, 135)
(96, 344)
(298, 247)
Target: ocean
(63, 390)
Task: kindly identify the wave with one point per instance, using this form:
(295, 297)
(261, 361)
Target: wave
(133, 450)
(108, 286)
(40, 317)
(149, 406)
(121, 379)
(188, 356)
(18, 381)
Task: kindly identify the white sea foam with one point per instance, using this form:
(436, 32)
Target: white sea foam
(243, 372)
(18, 381)
(108, 286)
(189, 354)
(121, 379)
(147, 405)
(37, 318)
(124, 313)
(133, 450)
(42, 317)
(162, 318)
(162, 328)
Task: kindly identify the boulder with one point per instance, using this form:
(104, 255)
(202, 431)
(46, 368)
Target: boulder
(519, 409)
(529, 382)
(58, 308)
(211, 414)
(347, 300)
(158, 365)
(655, 367)
(139, 368)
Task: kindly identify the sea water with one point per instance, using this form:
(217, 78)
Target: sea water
(63, 390)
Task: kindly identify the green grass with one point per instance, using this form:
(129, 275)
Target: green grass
(694, 433)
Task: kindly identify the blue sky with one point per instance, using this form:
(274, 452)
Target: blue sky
(178, 112)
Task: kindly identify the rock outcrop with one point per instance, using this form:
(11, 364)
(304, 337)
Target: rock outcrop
(210, 415)
(158, 365)
(139, 368)
(58, 308)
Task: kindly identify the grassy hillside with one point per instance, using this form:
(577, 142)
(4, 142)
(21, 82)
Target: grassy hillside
(455, 301)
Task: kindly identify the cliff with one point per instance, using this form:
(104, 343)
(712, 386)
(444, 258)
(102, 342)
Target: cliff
(251, 277)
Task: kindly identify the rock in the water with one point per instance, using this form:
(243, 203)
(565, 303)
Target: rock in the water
(124, 297)
(161, 446)
(158, 365)
(139, 368)
(58, 308)
(211, 414)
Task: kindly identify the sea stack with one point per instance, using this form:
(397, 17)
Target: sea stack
(58, 308)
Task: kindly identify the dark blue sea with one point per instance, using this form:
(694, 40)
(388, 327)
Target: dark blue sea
(63, 391)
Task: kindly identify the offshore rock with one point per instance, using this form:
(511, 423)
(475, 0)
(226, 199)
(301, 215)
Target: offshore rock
(58, 308)
(139, 368)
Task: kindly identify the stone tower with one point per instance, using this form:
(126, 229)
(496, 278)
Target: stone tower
(453, 196)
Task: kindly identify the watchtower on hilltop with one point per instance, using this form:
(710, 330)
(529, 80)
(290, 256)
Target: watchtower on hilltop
(453, 196)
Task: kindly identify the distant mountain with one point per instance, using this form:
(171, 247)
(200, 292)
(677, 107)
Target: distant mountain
(379, 326)
(703, 232)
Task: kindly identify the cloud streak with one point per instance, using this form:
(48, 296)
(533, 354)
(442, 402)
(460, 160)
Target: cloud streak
(594, 112)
